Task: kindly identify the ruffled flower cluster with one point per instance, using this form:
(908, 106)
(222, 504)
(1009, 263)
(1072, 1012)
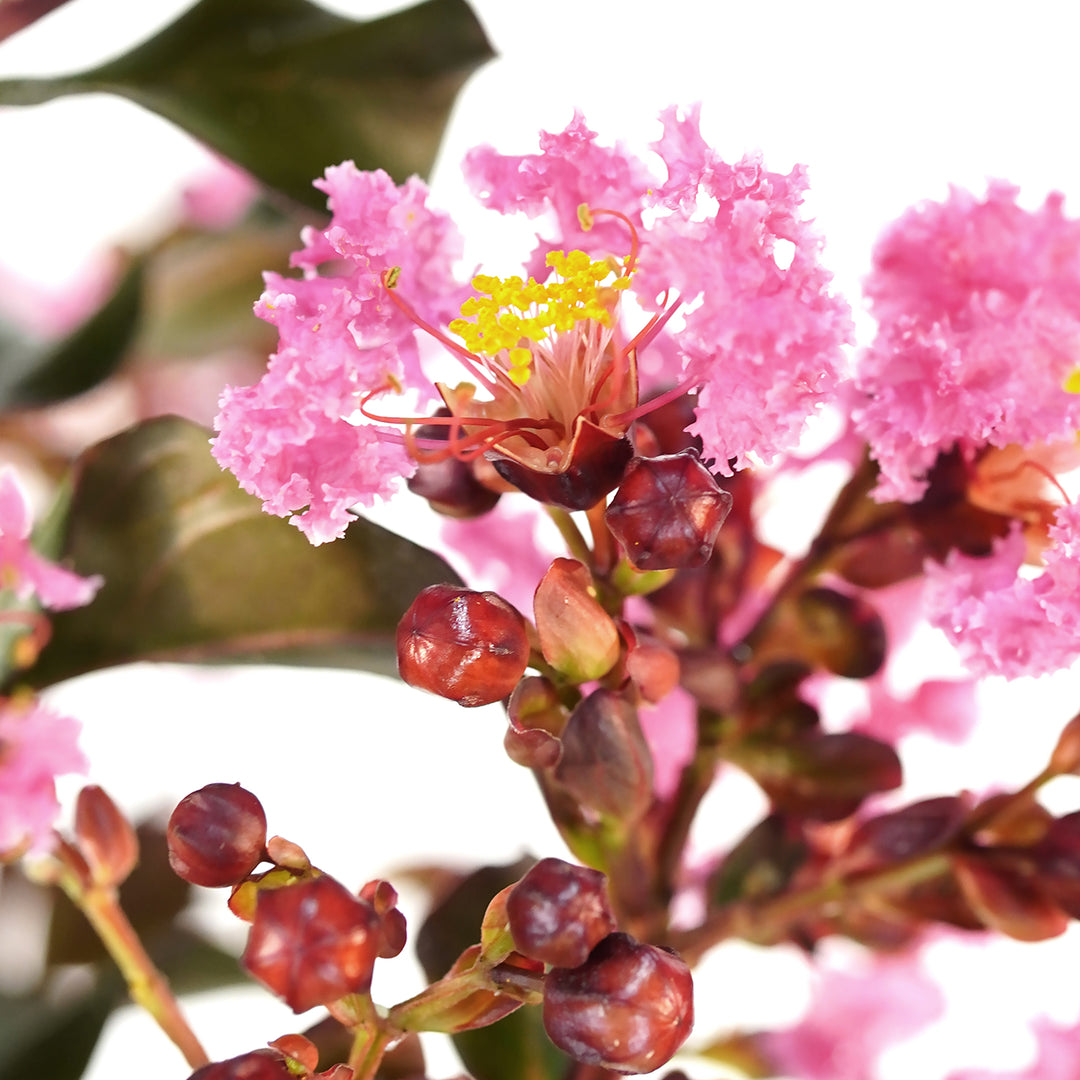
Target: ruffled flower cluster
(715, 281)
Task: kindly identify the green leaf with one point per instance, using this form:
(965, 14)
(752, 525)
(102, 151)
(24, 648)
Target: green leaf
(41, 1039)
(32, 374)
(195, 571)
(285, 88)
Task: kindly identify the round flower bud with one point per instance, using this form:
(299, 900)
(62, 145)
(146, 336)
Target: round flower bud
(558, 912)
(450, 485)
(312, 942)
(264, 1064)
(629, 1007)
(216, 835)
(667, 512)
(468, 646)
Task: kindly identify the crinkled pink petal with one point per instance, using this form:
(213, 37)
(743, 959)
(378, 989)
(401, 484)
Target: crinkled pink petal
(36, 746)
(979, 311)
(290, 439)
(1004, 623)
(853, 1017)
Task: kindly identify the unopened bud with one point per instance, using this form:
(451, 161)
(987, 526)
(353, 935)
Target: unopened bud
(667, 512)
(216, 835)
(471, 647)
(842, 633)
(1066, 756)
(450, 486)
(536, 720)
(105, 837)
(606, 764)
(577, 636)
(629, 1007)
(312, 942)
(383, 897)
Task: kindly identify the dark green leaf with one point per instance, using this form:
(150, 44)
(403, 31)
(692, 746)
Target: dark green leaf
(33, 375)
(195, 571)
(286, 88)
(39, 1039)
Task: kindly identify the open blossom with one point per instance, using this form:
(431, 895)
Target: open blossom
(22, 569)
(36, 746)
(708, 277)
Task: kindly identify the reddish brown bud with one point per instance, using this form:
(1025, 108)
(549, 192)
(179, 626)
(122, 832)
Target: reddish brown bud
(450, 486)
(536, 720)
(471, 647)
(667, 512)
(558, 912)
(577, 636)
(216, 835)
(1006, 901)
(1066, 756)
(844, 634)
(301, 1049)
(1057, 858)
(312, 942)
(382, 896)
(106, 838)
(654, 670)
(606, 764)
(629, 1007)
(266, 1064)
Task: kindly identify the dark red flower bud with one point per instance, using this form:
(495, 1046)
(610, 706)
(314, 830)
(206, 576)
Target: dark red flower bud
(263, 1064)
(668, 512)
(629, 1007)
(106, 838)
(558, 912)
(606, 764)
(216, 835)
(313, 942)
(468, 646)
(536, 718)
(450, 486)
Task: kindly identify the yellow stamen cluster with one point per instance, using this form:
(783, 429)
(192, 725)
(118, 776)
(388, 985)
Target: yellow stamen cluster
(509, 313)
(1072, 382)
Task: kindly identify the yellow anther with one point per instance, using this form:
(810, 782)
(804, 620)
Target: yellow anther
(584, 216)
(1072, 382)
(520, 357)
(392, 276)
(519, 376)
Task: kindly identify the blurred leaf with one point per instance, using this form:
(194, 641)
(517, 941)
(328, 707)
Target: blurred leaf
(285, 88)
(516, 1047)
(195, 571)
(41, 1040)
(32, 374)
(761, 864)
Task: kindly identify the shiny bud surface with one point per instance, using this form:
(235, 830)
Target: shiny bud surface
(629, 1007)
(313, 942)
(559, 912)
(256, 1065)
(468, 646)
(216, 835)
(106, 838)
(667, 512)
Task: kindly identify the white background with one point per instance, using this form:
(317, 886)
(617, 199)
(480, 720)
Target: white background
(887, 104)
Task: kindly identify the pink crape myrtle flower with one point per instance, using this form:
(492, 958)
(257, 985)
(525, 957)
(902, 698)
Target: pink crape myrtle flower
(978, 305)
(853, 1017)
(710, 272)
(1007, 623)
(26, 572)
(36, 746)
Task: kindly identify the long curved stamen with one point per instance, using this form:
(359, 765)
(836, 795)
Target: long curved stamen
(655, 403)
(585, 215)
(471, 361)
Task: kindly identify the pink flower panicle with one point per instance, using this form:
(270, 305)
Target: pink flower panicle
(36, 746)
(759, 335)
(26, 572)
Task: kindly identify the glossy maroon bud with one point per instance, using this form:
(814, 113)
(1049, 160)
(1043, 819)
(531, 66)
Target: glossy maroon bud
(216, 835)
(471, 647)
(629, 1007)
(393, 932)
(577, 636)
(606, 764)
(313, 942)
(106, 838)
(263, 1064)
(559, 912)
(450, 486)
(536, 718)
(668, 512)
